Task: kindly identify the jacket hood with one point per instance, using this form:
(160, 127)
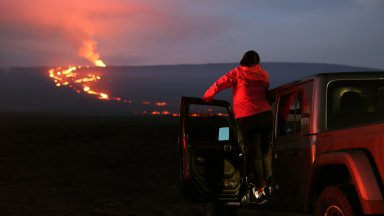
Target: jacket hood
(254, 73)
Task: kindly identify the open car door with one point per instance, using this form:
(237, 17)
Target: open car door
(210, 159)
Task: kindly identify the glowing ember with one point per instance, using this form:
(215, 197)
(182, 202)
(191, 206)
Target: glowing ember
(161, 104)
(104, 96)
(86, 88)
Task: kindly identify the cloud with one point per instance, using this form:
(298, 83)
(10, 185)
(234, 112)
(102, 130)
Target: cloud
(39, 21)
(51, 32)
(120, 27)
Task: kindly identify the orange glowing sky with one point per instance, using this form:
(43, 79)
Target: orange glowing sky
(147, 32)
(61, 27)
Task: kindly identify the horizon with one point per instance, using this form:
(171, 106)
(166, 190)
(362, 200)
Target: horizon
(126, 90)
(191, 64)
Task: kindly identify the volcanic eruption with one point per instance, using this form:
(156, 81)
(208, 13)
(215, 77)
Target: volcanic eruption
(83, 80)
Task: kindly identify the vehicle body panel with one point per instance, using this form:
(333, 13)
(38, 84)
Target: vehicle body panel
(361, 149)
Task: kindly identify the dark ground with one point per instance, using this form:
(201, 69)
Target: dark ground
(84, 166)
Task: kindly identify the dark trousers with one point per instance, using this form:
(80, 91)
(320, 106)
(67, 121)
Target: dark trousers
(256, 131)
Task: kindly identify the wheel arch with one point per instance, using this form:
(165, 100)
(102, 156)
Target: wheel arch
(347, 167)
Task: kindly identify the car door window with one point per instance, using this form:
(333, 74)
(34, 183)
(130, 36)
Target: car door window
(205, 123)
(289, 116)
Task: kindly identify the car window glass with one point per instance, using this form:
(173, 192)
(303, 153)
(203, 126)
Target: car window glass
(289, 115)
(205, 123)
(351, 102)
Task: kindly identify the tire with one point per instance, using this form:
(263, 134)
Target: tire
(338, 200)
(219, 209)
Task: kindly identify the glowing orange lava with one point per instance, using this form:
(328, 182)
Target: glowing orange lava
(77, 81)
(83, 83)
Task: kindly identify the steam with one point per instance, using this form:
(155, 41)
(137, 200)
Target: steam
(77, 23)
(88, 50)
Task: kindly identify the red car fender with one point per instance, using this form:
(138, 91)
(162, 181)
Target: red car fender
(362, 173)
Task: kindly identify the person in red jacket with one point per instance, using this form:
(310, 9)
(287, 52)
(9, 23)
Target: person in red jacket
(252, 110)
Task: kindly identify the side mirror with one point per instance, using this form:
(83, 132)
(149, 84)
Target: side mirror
(223, 134)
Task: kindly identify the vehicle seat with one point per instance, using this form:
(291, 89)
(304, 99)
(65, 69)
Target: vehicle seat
(352, 109)
(351, 102)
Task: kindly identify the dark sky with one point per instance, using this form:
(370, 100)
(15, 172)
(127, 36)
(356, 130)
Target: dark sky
(151, 32)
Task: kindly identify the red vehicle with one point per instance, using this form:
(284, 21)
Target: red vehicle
(327, 150)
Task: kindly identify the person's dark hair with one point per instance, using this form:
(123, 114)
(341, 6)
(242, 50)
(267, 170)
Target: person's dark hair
(250, 58)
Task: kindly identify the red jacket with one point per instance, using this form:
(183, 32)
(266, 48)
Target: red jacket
(249, 84)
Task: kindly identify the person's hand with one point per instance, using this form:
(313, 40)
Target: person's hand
(208, 96)
(207, 99)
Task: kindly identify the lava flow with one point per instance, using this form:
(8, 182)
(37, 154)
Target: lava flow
(80, 82)
(84, 81)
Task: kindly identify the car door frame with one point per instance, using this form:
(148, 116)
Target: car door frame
(186, 182)
(292, 155)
